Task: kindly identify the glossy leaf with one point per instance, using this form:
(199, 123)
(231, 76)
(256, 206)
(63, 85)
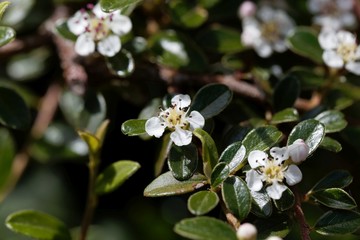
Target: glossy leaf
(303, 41)
(336, 222)
(335, 179)
(13, 111)
(334, 198)
(205, 228)
(277, 226)
(220, 172)
(261, 203)
(122, 64)
(3, 6)
(187, 14)
(286, 92)
(209, 151)
(286, 201)
(133, 127)
(211, 99)
(183, 161)
(234, 156)
(202, 202)
(63, 30)
(333, 120)
(37, 225)
(285, 115)
(331, 144)
(236, 196)
(163, 154)
(311, 131)
(94, 144)
(115, 175)
(112, 5)
(7, 34)
(220, 39)
(7, 154)
(167, 185)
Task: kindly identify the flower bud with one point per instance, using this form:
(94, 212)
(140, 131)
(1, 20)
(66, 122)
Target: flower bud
(247, 9)
(274, 238)
(298, 151)
(246, 231)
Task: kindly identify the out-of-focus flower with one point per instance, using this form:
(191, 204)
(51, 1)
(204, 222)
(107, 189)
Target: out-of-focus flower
(177, 119)
(333, 14)
(246, 231)
(340, 50)
(247, 9)
(274, 238)
(266, 30)
(274, 170)
(98, 30)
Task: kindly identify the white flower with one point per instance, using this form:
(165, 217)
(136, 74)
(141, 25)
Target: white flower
(98, 30)
(266, 32)
(246, 231)
(273, 238)
(340, 50)
(177, 120)
(274, 170)
(333, 14)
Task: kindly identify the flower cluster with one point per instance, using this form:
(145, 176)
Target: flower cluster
(98, 30)
(177, 119)
(272, 171)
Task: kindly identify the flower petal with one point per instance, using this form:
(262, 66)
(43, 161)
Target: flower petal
(293, 175)
(298, 151)
(257, 158)
(253, 180)
(327, 39)
(346, 37)
(84, 45)
(279, 154)
(275, 190)
(181, 100)
(263, 48)
(332, 59)
(181, 137)
(155, 127)
(109, 46)
(196, 120)
(77, 24)
(120, 24)
(353, 67)
(100, 13)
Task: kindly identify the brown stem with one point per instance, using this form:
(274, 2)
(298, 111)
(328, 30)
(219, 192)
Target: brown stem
(300, 217)
(234, 222)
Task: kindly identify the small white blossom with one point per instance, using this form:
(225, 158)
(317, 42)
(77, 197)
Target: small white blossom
(333, 14)
(274, 238)
(246, 231)
(340, 50)
(274, 170)
(177, 119)
(267, 30)
(98, 30)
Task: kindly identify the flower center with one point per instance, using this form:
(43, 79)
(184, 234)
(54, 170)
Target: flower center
(347, 51)
(175, 116)
(272, 172)
(270, 31)
(98, 28)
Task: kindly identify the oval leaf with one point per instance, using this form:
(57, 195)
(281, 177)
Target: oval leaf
(183, 161)
(162, 154)
(286, 201)
(3, 6)
(336, 222)
(112, 5)
(7, 34)
(167, 185)
(331, 144)
(236, 196)
(333, 120)
(261, 138)
(286, 92)
(122, 64)
(205, 228)
(202, 202)
(187, 14)
(234, 156)
(115, 175)
(335, 179)
(219, 174)
(7, 154)
(335, 198)
(285, 115)
(37, 225)
(261, 203)
(311, 131)
(92, 141)
(133, 127)
(277, 226)
(63, 30)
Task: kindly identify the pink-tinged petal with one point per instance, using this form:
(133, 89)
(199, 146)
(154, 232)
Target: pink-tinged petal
(196, 120)
(353, 67)
(120, 24)
(84, 45)
(257, 158)
(275, 190)
(298, 151)
(250, 32)
(279, 154)
(293, 175)
(181, 100)
(247, 9)
(332, 59)
(253, 180)
(327, 39)
(78, 23)
(109, 46)
(181, 137)
(155, 127)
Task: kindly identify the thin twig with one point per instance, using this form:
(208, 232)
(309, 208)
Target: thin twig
(300, 217)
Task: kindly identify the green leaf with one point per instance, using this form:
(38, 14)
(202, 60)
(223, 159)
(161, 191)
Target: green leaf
(285, 115)
(183, 161)
(13, 111)
(236, 196)
(3, 6)
(336, 222)
(166, 145)
(304, 41)
(37, 225)
(220, 172)
(172, 49)
(286, 201)
(277, 226)
(204, 228)
(335, 179)
(211, 99)
(333, 120)
(334, 198)
(115, 175)
(112, 5)
(286, 92)
(167, 185)
(94, 144)
(122, 64)
(311, 131)
(187, 14)
(234, 156)
(133, 127)
(7, 34)
(202, 202)
(209, 151)
(7, 154)
(220, 39)
(63, 30)
(308, 78)
(331, 144)
(261, 203)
